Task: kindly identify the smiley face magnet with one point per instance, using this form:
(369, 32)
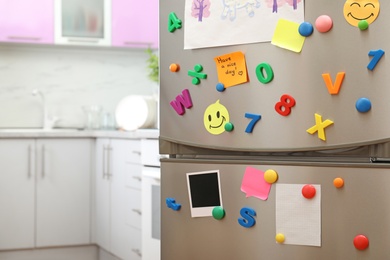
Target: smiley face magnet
(359, 10)
(215, 117)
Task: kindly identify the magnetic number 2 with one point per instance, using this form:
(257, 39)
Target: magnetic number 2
(255, 118)
(283, 107)
(377, 55)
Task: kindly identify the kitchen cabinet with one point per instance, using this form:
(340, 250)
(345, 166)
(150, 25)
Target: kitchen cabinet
(63, 191)
(151, 205)
(45, 187)
(135, 23)
(17, 188)
(118, 209)
(86, 22)
(27, 21)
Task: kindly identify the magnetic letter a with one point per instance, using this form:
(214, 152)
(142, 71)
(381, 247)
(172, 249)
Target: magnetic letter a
(181, 101)
(333, 89)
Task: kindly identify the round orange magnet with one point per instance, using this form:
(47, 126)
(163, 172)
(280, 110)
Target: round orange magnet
(338, 183)
(174, 67)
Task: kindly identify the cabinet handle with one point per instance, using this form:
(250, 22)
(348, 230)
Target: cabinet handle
(83, 40)
(24, 38)
(43, 161)
(139, 212)
(29, 162)
(141, 44)
(104, 160)
(136, 152)
(137, 178)
(109, 149)
(136, 251)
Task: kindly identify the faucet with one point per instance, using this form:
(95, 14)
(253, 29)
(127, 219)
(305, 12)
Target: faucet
(48, 121)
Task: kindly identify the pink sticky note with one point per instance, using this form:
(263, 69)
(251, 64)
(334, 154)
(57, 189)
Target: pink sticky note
(254, 185)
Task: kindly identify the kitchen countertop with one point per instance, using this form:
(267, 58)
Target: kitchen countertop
(75, 133)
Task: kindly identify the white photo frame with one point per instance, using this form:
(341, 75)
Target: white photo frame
(204, 191)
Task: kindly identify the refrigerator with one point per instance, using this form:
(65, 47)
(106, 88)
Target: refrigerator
(274, 120)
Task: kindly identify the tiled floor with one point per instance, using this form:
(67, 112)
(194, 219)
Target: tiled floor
(65, 253)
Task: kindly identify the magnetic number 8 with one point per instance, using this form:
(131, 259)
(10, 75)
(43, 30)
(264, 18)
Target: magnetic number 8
(284, 106)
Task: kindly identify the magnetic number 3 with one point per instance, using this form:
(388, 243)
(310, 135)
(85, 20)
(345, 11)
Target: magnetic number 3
(284, 106)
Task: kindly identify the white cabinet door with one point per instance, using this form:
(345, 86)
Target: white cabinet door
(121, 233)
(63, 192)
(17, 193)
(116, 161)
(151, 209)
(102, 194)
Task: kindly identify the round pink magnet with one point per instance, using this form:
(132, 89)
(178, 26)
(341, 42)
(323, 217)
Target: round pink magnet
(324, 23)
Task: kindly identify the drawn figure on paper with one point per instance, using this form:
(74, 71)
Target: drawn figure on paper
(359, 10)
(274, 4)
(215, 117)
(200, 9)
(231, 7)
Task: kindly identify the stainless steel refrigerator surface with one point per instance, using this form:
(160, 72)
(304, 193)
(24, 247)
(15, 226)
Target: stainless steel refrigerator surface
(298, 166)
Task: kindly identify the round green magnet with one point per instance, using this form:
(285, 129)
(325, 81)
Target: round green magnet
(363, 25)
(229, 127)
(218, 213)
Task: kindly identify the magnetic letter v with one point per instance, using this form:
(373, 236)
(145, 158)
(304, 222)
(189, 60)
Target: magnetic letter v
(333, 88)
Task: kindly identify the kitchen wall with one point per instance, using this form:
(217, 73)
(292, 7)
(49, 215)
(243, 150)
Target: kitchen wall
(70, 77)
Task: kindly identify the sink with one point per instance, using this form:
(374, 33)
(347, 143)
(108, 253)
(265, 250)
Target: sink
(37, 130)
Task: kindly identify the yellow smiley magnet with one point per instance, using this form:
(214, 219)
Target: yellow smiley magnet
(215, 117)
(359, 10)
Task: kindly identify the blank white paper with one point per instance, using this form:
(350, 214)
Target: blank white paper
(298, 218)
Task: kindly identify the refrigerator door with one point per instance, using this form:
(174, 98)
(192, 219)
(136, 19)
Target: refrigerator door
(336, 217)
(338, 93)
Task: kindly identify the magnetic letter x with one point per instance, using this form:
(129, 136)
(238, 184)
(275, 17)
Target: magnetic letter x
(319, 127)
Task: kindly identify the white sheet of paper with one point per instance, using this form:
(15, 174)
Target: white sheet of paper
(236, 22)
(298, 218)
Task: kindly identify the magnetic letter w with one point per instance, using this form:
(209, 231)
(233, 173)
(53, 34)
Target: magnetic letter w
(182, 101)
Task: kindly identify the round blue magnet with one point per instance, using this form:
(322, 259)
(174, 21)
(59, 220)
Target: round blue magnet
(220, 87)
(305, 29)
(363, 105)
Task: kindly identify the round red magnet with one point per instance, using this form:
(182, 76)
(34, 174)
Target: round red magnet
(360, 242)
(308, 191)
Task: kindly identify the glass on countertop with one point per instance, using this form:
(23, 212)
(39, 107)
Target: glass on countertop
(93, 115)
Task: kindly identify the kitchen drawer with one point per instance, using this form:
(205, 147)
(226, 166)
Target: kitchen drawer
(134, 151)
(133, 175)
(135, 244)
(133, 208)
(150, 155)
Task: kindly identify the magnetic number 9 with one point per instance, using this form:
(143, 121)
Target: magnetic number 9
(284, 106)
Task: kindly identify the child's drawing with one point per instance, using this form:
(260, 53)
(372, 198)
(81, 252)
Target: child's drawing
(274, 4)
(231, 6)
(211, 23)
(200, 9)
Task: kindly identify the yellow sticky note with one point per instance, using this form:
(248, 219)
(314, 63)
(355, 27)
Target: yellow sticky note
(286, 36)
(231, 69)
